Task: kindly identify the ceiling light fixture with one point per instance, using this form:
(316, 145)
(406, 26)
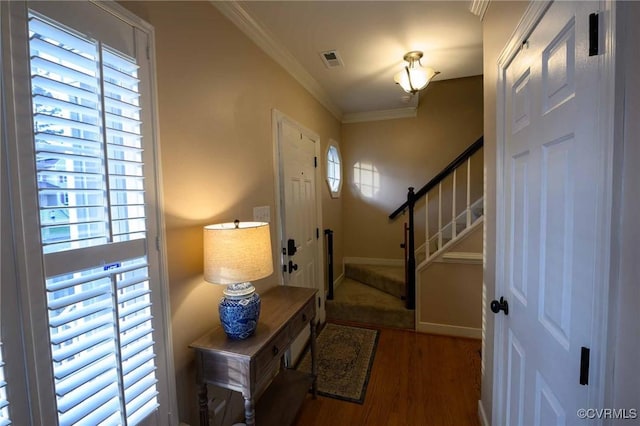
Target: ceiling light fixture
(414, 77)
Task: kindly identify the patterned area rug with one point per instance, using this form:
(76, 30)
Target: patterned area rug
(345, 357)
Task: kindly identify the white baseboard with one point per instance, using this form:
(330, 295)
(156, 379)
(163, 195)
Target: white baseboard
(449, 330)
(482, 415)
(338, 281)
(461, 257)
(373, 261)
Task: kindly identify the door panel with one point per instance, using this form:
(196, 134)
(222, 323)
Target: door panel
(549, 411)
(554, 307)
(515, 379)
(519, 230)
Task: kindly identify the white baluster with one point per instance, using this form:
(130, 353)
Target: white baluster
(454, 228)
(468, 192)
(439, 215)
(426, 223)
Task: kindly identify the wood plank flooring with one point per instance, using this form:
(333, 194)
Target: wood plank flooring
(417, 379)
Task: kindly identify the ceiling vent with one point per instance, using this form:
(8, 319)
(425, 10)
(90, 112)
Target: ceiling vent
(331, 59)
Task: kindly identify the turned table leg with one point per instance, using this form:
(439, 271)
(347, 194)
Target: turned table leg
(249, 412)
(314, 363)
(203, 404)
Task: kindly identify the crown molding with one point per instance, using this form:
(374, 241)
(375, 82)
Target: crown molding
(385, 114)
(265, 41)
(479, 7)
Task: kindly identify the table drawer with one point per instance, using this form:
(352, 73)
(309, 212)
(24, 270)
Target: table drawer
(221, 371)
(273, 350)
(302, 318)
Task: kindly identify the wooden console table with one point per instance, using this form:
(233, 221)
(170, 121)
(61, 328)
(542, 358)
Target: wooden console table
(255, 366)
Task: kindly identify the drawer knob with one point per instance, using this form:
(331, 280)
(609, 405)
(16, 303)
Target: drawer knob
(304, 317)
(275, 350)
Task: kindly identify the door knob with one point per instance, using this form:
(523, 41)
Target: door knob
(292, 266)
(502, 305)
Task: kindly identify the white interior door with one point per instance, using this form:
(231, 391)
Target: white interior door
(551, 184)
(300, 225)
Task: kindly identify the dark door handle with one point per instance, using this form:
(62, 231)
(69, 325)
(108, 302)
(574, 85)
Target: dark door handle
(292, 266)
(502, 305)
(291, 247)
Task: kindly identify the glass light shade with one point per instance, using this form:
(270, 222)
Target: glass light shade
(237, 254)
(414, 77)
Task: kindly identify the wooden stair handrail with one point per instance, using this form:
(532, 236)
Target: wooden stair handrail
(472, 149)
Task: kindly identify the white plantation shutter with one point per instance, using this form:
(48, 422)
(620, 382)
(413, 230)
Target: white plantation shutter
(93, 226)
(4, 403)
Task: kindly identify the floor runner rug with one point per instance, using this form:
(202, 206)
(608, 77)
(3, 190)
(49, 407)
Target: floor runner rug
(344, 359)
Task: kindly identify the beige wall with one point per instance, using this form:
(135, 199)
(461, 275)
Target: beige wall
(405, 152)
(500, 20)
(451, 293)
(216, 92)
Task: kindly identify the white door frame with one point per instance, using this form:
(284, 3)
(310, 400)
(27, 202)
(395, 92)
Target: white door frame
(277, 119)
(599, 350)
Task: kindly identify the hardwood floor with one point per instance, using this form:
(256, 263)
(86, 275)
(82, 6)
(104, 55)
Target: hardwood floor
(416, 379)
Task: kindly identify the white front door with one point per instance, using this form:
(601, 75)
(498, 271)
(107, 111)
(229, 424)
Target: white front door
(301, 232)
(299, 215)
(551, 184)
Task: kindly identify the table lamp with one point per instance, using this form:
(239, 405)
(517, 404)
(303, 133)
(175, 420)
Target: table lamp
(234, 255)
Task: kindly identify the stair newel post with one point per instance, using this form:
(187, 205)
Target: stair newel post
(411, 260)
(329, 234)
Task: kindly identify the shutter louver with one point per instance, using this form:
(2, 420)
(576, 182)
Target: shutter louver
(90, 170)
(4, 403)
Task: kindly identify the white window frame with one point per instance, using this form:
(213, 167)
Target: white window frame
(333, 145)
(29, 269)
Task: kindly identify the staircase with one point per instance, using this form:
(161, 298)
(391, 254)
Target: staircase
(386, 295)
(371, 294)
(444, 192)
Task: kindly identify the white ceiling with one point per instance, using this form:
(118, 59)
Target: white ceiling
(371, 37)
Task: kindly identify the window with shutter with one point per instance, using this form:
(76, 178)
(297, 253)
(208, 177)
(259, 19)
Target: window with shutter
(4, 403)
(91, 197)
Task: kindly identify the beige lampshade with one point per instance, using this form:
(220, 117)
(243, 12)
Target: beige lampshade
(237, 254)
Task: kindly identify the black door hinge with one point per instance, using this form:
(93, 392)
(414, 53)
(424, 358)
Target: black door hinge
(593, 34)
(315, 162)
(584, 366)
(317, 233)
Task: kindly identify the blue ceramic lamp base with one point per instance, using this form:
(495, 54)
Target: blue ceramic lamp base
(239, 310)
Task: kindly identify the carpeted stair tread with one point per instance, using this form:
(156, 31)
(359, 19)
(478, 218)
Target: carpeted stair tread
(358, 302)
(389, 279)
